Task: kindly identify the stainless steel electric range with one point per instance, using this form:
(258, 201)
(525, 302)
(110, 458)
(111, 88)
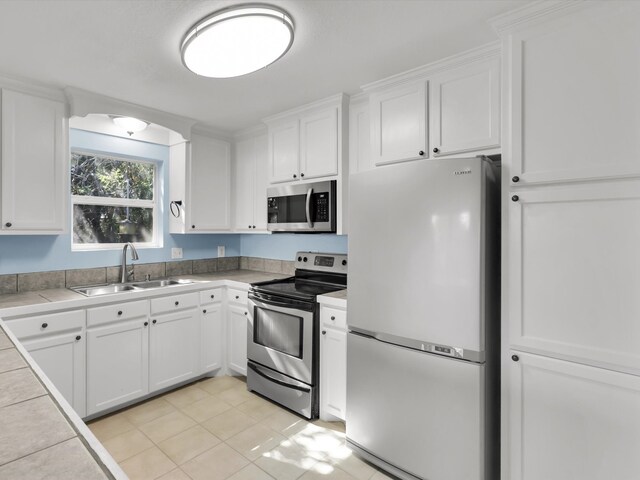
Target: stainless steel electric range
(283, 333)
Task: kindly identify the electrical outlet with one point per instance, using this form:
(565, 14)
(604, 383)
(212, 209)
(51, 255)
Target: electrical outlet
(220, 251)
(176, 253)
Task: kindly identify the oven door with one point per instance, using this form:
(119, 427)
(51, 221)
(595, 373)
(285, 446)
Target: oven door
(280, 335)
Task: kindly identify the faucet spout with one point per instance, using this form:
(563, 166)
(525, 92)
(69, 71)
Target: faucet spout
(125, 274)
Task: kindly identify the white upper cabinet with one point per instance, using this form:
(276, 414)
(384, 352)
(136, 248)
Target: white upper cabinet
(399, 123)
(210, 176)
(464, 109)
(306, 143)
(448, 107)
(201, 180)
(34, 169)
(284, 151)
(573, 95)
(319, 144)
(359, 137)
(250, 184)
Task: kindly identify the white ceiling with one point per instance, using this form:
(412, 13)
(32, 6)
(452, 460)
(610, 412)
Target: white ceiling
(129, 50)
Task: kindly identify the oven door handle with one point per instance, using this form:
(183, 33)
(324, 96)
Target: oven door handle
(308, 207)
(260, 301)
(275, 380)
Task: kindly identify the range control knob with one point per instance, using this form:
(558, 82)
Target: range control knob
(299, 259)
(304, 259)
(344, 262)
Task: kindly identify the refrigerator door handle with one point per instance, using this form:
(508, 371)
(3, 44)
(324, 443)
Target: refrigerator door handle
(422, 346)
(308, 207)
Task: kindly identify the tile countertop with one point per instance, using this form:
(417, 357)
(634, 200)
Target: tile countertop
(40, 434)
(334, 299)
(41, 301)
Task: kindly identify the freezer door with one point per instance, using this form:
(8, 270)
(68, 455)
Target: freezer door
(418, 412)
(416, 251)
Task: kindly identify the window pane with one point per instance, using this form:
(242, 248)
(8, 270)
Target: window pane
(109, 177)
(107, 224)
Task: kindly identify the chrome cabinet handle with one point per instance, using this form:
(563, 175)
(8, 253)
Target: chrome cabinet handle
(308, 207)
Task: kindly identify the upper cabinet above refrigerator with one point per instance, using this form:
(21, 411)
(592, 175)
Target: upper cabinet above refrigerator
(445, 108)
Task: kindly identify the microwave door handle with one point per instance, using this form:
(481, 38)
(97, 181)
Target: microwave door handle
(308, 207)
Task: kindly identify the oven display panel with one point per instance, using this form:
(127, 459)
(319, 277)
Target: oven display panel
(323, 261)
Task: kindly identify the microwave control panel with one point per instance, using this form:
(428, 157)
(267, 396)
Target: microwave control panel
(322, 207)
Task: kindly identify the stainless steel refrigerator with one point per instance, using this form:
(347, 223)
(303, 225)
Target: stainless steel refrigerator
(423, 317)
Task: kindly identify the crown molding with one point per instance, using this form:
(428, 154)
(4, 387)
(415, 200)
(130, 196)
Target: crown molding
(341, 99)
(534, 13)
(253, 131)
(490, 50)
(32, 87)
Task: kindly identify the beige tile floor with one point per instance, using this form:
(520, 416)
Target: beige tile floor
(215, 429)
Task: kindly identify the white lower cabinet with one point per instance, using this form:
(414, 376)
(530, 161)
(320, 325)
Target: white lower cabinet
(174, 348)
(570, 421)
(57, 344)
(117, 363)
(333, 363)
(211, 330)
(237, 339)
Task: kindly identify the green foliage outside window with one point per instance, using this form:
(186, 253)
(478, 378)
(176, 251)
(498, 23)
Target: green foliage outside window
(101, 178)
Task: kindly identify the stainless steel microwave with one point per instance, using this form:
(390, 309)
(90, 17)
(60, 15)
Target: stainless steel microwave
(306, 207)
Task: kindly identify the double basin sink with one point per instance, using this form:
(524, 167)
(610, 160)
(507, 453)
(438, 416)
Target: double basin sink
(97, 290)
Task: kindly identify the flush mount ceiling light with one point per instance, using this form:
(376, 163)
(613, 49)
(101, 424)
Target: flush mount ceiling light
(237, 40)
(130, 125)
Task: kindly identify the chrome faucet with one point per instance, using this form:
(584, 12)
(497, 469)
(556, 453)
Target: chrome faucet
(134, 256)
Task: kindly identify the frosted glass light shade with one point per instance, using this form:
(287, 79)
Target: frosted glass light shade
(237, 41)
(130, 124)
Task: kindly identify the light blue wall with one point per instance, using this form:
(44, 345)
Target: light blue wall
(34, 253)
(283, 246)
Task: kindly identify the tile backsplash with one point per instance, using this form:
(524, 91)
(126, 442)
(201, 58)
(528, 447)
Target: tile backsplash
(27, 282)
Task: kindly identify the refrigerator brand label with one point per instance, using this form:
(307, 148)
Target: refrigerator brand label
(462, 172)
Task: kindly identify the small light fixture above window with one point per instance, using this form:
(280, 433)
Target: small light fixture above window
(130, 125)
(237, 40)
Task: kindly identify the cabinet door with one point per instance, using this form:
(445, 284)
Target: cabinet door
(244, 185)
(572, 422)
(261, 149)
(359, 138)
(62, 358)
(237, 345)
(464, 107)
(573, 104)
(174, 348)
(319, 144)
(211, 337)
(34, 164)
(117, 364)
(573, 267)
(210, 181)
(399, 124)
(333, 372)
(284, 151)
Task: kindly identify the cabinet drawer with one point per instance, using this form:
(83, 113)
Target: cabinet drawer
(122, 311)
(333, 317)
(237, 296)
(46, 324)
(174, 302)
(210, 296)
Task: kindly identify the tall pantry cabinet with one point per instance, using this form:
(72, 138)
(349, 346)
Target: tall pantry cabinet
(571, 218)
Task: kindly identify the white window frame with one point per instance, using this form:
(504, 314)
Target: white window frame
(119, 202)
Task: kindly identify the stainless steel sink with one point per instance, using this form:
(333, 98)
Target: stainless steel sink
(103, 289)
(161, 283)
(96, 290)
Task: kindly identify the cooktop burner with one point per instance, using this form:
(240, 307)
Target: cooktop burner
(316, 274)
